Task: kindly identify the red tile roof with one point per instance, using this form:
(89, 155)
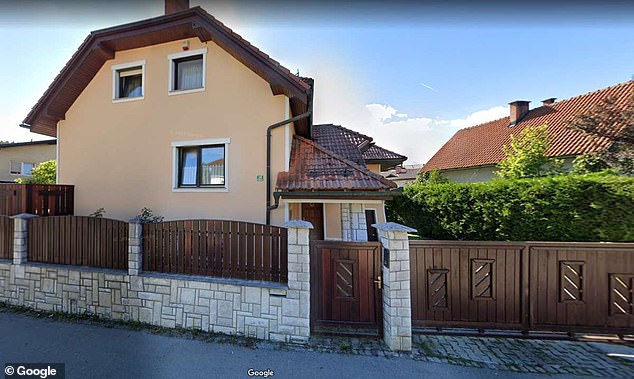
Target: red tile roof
(315, 168)
(481, 145)
(354, 146)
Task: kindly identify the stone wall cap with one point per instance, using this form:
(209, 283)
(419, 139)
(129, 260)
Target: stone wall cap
(394, 227)
(299, 224)
(25, 216)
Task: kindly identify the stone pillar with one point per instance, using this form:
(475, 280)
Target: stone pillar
(397, 298)
(353, 222)
(20, 237)
(296, 305)
(134, 247)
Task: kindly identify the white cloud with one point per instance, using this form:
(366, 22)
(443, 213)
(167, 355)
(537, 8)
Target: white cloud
(342, 99)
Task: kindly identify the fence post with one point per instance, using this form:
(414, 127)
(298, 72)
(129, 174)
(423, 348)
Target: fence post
(297, 303)
(20, 237)
(134, 247)
(397, 298)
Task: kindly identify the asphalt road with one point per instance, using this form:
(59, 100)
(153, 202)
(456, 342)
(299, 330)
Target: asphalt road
(94, 351)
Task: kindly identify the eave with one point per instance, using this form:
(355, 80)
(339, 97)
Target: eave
(101, 46)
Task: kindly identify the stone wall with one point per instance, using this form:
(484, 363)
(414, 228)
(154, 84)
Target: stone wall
(255, 309)
(353, 223)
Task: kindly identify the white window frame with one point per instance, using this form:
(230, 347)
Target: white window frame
(115, 81)
(11, 172)
(22, 171)
(185, 54)
(175, 157)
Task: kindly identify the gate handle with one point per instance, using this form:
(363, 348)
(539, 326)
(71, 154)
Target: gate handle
(379, 282)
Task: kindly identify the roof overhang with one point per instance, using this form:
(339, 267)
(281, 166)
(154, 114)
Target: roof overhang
(100, 46)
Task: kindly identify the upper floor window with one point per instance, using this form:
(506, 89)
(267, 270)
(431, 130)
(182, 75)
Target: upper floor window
(187, 71)
(128, 81)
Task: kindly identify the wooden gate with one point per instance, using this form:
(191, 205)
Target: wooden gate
(550, 286)
(345, 287)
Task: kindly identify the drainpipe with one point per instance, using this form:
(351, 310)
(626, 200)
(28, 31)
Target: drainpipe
(270, 207)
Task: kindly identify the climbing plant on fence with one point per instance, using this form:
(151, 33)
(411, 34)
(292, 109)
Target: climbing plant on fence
(592, 207)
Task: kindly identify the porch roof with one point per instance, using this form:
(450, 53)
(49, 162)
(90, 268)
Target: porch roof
(314, 168)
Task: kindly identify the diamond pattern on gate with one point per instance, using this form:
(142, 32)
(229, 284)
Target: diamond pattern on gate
(571, 281)
(621, 294)
(482, 279)
(437, 289)
(344, 284)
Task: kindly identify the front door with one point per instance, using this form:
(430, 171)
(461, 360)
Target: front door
(314, 213)
(346, 287)
(370, 218)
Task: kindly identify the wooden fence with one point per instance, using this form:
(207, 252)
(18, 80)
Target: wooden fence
(227, 249)
(6, 237)
(78, 240)
(524, 286)
(38, 199)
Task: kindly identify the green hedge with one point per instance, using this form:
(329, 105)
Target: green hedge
(592, 207)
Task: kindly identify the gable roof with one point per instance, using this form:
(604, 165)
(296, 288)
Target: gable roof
(101, 46)
(481, 145)
(354, 146)
(314, 168)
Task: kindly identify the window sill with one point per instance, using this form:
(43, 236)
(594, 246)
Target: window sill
(199, 189)
(185, 91)
(128, 99)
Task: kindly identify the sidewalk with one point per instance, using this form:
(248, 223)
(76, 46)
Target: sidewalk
(99, 350)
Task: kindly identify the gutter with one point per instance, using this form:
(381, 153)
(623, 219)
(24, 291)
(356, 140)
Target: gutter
(270, 207)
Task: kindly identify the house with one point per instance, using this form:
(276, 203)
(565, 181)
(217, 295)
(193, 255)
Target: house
(472, 154)
(18, 159)
(403, 175)
(179, 114)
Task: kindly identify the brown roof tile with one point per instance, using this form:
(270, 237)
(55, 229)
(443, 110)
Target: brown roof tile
(342, 141)
(378, 153)
(315, 168)
(481, 145)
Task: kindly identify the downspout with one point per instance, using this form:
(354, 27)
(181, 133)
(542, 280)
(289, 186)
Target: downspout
(270, 207)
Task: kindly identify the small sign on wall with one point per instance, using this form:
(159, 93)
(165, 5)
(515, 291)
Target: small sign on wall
(386, 257)
(259, 178)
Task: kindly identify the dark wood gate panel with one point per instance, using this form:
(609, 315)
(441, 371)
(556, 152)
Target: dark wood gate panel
(343, 288)
(456, 284)
(553, 286)
(577, 286)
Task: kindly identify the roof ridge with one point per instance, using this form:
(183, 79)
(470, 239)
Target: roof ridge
(344, 160)
(555, 104)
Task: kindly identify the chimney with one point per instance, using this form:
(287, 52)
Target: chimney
(519, 109)
(173, 6)
(549, 101)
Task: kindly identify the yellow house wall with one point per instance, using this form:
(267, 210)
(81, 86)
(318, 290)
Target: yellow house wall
(374, 167)
(119, 155)
(29, 153)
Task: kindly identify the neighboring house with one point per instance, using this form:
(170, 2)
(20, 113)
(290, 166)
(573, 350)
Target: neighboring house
(173, 113)
(472, 154)
(403, 175)
(18, 159)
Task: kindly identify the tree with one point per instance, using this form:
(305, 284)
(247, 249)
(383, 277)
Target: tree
(44, 173)
(526, 156)
(612, 120)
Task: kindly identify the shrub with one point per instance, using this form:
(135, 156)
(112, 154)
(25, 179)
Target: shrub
(591, 207)
(43, 173)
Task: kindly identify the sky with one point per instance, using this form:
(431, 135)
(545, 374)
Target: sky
(410, 74)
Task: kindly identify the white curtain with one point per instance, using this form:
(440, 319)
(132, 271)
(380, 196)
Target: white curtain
(190, 74)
